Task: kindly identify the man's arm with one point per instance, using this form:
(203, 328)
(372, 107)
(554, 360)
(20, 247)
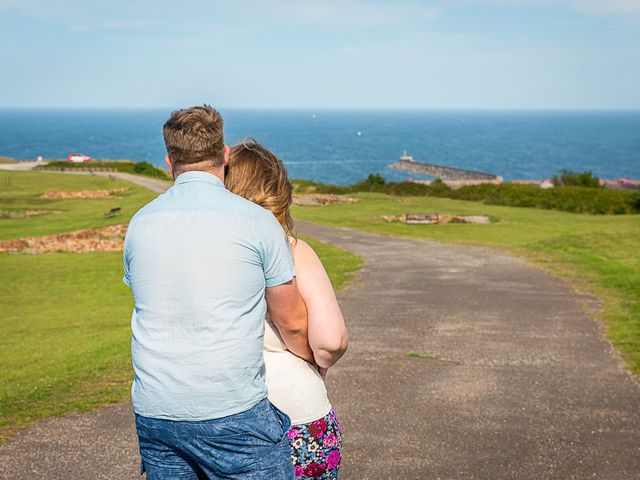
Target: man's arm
(289, 314)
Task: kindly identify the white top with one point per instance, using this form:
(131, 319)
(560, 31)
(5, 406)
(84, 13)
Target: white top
(293, 385)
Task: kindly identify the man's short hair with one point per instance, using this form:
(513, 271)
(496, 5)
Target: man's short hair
(194, 138)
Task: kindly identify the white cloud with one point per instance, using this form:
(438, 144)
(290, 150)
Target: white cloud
(80, 17)
(148, 13)
(589, 7)
(607, 7)
(353, 14)
(359, 13)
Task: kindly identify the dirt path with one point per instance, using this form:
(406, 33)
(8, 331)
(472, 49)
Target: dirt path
(465, 363)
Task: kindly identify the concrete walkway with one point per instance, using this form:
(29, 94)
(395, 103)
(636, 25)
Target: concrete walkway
(150, 183)
(19, 166)
(153, 184)
(465, 363)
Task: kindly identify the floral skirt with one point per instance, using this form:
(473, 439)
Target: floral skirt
(316, 448)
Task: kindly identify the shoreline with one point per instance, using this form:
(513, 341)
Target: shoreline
(620, 183)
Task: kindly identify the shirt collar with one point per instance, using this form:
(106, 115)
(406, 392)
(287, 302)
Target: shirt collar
(197, 176)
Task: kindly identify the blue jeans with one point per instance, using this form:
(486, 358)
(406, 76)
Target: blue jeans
(248, 445)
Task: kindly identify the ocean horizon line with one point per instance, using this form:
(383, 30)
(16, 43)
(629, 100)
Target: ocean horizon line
(330, 109)
(340, 146)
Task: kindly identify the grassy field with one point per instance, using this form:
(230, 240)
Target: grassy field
(64, 323)
(63, 335)
(598, 254)
(64, 326)
(20, 191)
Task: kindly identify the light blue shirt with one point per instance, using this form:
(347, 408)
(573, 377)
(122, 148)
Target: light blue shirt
(198, 259)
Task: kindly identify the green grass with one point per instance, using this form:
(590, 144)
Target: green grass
(64, 323)
(598, 254)
(23, 191)
(65, 318)
(64, 335)
(420, 356)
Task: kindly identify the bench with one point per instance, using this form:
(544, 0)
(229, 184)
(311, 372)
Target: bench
(113, 212)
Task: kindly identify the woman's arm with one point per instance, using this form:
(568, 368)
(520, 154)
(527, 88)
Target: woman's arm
(327, 332)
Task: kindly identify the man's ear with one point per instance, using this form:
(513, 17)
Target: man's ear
(167, 160)
(227, 151)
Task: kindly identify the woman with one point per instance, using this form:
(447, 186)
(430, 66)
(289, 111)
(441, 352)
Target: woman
(295, 386)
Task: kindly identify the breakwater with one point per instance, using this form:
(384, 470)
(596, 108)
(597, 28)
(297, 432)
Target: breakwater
(442, 171)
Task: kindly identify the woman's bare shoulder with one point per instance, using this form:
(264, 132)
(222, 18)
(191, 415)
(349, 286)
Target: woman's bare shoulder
(304, 252)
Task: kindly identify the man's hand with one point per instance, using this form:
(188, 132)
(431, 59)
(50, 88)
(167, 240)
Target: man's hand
(289, 314)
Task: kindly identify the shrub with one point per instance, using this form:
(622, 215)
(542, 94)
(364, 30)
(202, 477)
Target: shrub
(567, 178)
(373, 183)
(126, 166)
(143, 167)
(336, 189)
(568, 199)
(408, 189)
(577, 199)
(439, 187)
(304, 186)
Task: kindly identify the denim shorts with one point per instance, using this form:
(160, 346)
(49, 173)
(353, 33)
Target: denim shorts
(248, 445)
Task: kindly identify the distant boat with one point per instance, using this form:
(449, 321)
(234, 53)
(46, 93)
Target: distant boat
(78, 158)
(406, 158)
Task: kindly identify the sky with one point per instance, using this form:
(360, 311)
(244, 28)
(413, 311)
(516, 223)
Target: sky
(439, 54)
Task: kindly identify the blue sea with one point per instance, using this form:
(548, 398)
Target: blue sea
(345, 146)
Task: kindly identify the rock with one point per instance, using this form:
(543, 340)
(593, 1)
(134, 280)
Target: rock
(84, 193)
(435, 218)
(22, 213)
(107, 239)
(321, 199)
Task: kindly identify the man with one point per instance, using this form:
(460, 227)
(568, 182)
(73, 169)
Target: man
(203, 264)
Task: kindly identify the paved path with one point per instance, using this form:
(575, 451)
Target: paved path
(19, 166)
(153, 184)
(150, 183)
(516, 382)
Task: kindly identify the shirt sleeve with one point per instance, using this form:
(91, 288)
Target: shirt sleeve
(275, 250)
(126, 278)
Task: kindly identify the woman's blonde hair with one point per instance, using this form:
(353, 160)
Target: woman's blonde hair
(256, 174)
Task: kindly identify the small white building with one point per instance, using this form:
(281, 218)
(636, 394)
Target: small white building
(78, 158)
